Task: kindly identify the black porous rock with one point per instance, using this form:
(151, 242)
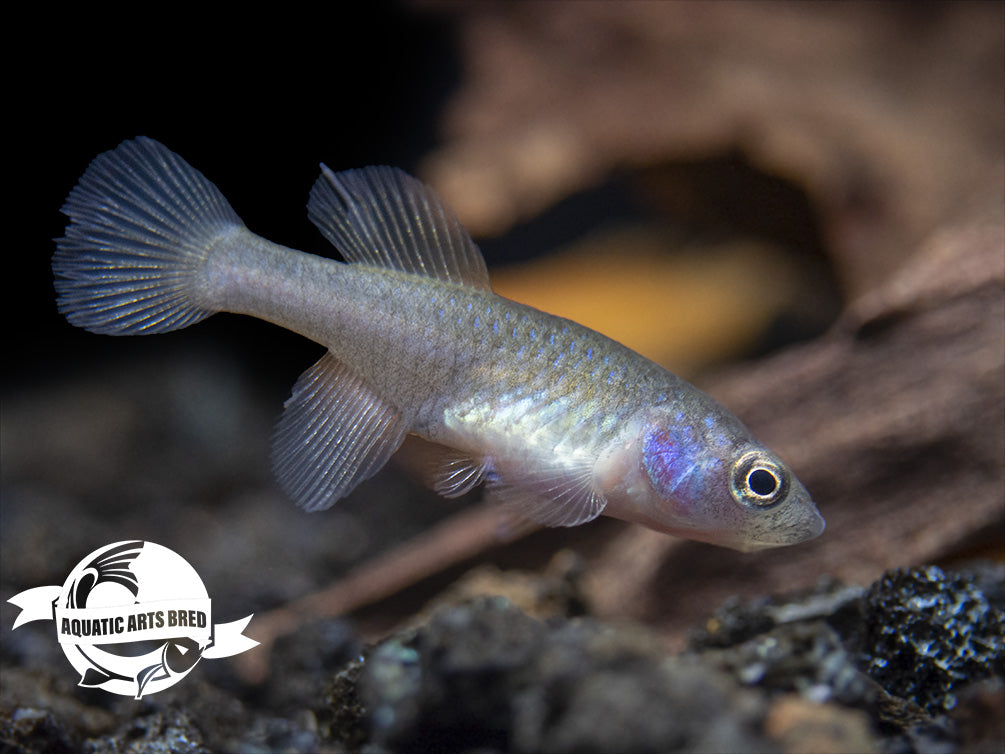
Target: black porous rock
(928, 633)
(919, 651)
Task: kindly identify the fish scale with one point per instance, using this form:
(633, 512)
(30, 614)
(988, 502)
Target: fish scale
(560, 422)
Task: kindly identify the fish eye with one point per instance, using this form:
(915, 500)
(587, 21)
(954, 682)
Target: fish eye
(758, 482)
(762, 482)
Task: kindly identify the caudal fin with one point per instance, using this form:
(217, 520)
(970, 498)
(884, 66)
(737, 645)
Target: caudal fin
(142, 223)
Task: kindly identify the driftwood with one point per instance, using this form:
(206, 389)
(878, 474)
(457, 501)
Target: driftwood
(894, 421)
(894, 418)
(888, 117)
(893, 128)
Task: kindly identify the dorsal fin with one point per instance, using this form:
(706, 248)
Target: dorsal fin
(384, 217)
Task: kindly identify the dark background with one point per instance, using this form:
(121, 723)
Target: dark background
(253, 103)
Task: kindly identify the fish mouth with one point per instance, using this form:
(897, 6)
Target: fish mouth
(808, 526)
(817, 526)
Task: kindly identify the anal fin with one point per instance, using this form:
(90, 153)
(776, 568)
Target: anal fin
(551, 497)
(334, 433)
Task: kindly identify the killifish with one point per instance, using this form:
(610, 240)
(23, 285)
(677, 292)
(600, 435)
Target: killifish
(560, 423)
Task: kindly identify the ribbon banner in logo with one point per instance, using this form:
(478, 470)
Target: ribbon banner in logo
(117, 625)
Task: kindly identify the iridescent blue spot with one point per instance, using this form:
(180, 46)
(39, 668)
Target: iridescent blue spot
(470, 305)
(514, 332)
(495, 326)
(533, 331)
(710, 421)
(478, 321)
(589, 354)
(662, 460)
(670, 464)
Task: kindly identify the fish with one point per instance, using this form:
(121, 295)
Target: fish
(559, 423)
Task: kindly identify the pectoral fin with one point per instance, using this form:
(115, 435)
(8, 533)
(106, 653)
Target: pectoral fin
(334, 433)
(447, 471)
(457, 474)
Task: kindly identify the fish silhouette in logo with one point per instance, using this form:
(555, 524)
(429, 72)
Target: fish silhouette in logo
(109, 567)
(178, 656)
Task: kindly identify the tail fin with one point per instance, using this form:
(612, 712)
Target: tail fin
(142, 223)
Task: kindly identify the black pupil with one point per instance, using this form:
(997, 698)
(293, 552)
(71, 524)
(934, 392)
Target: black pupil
(762, 482)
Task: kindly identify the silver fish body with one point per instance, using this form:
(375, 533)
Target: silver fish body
(562, 423)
